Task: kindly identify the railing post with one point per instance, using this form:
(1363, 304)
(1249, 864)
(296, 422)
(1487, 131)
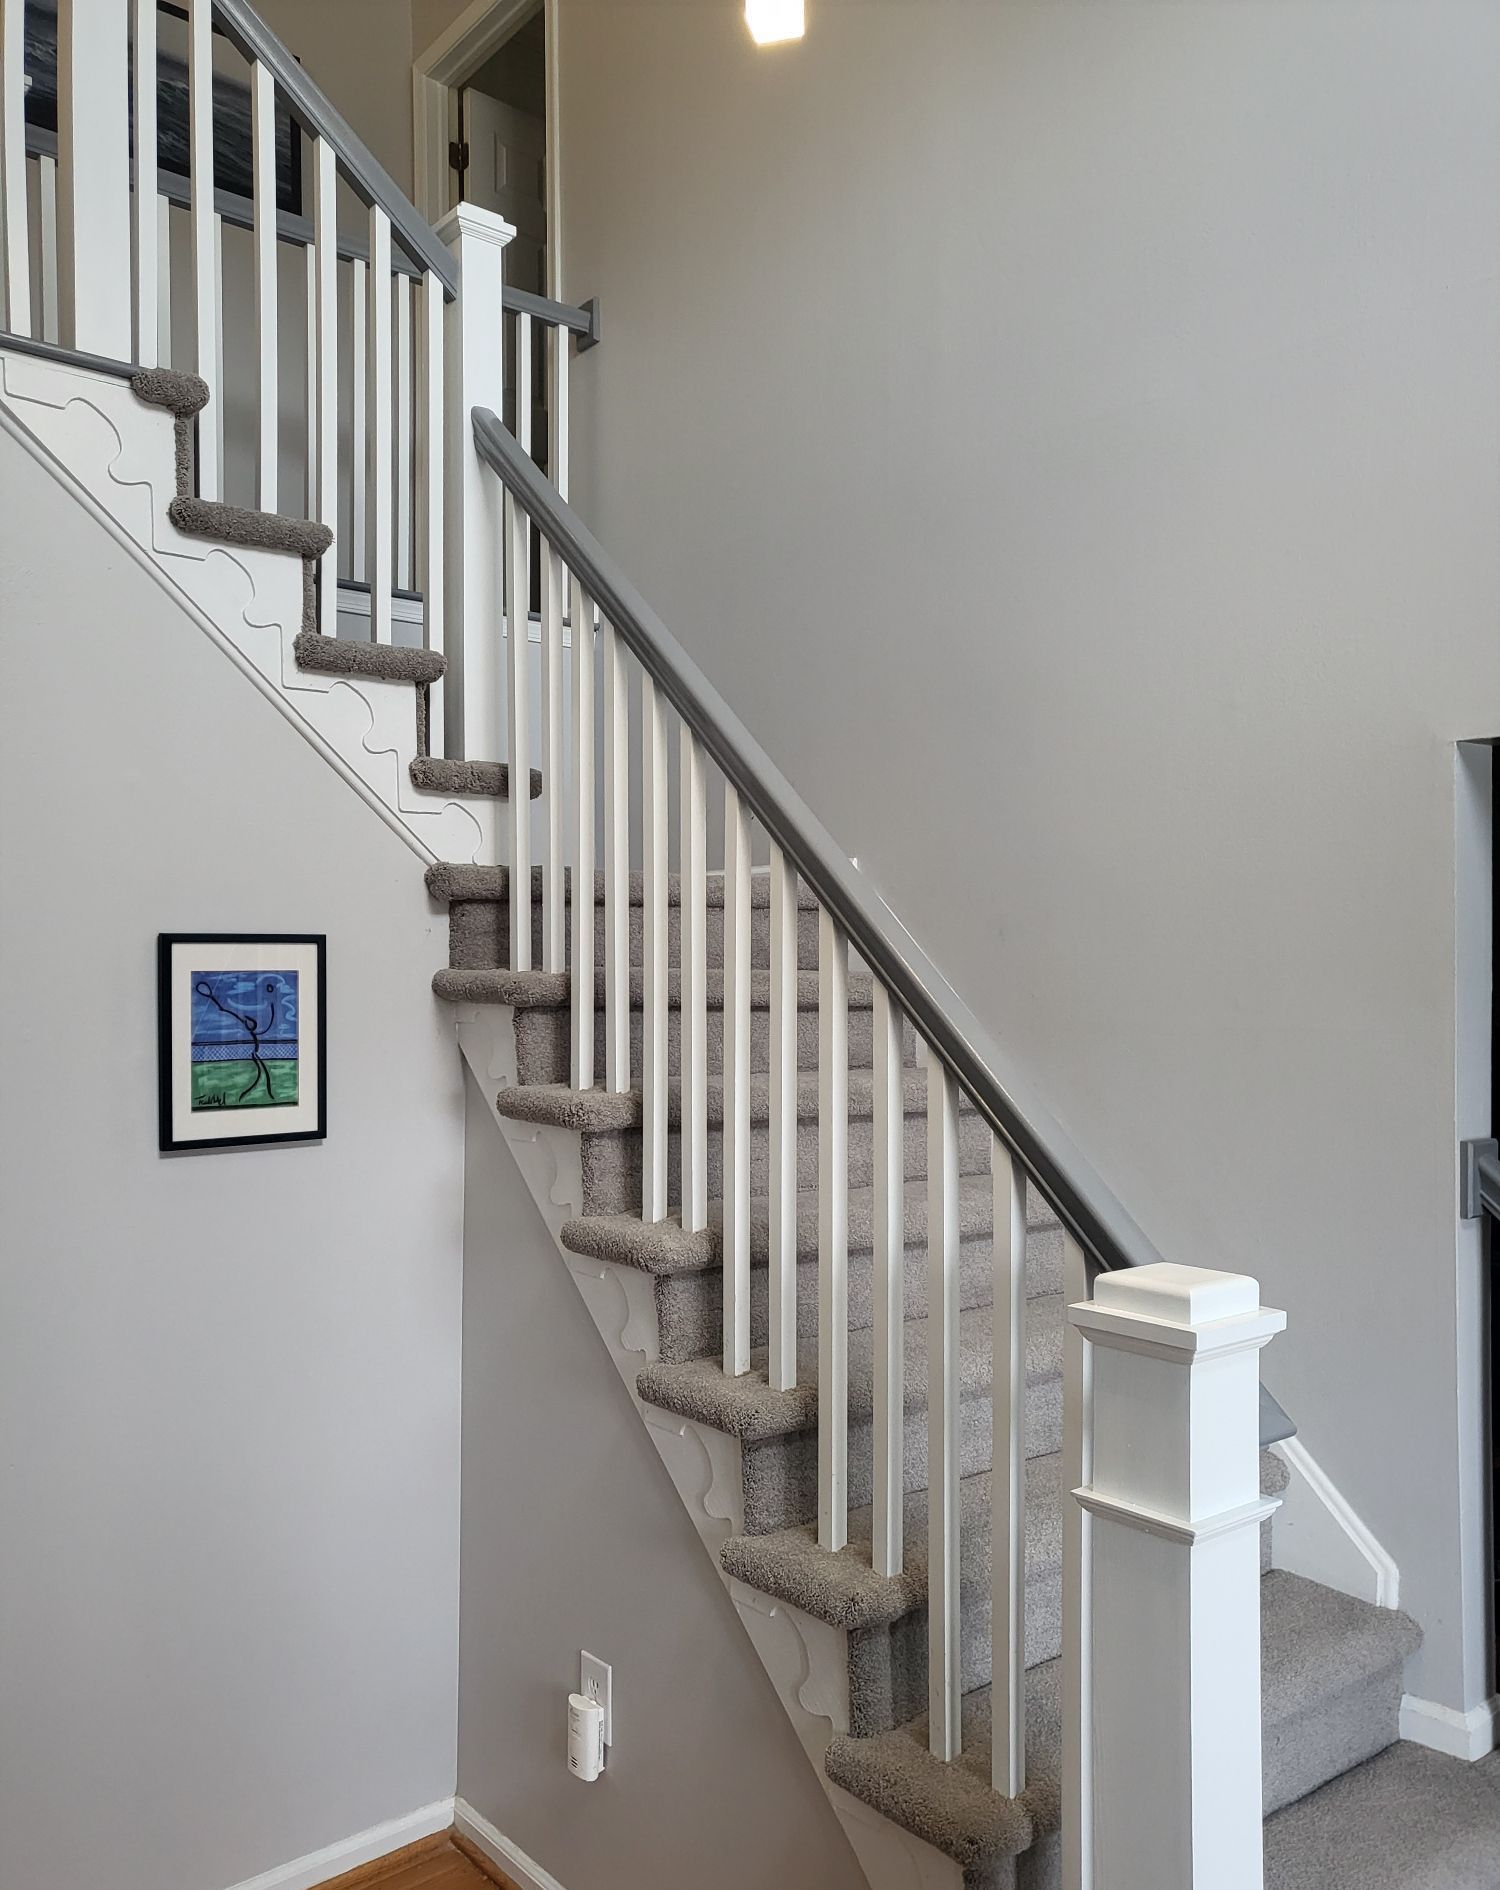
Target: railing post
(474, 377)
(93, 177)
(1173, 1579)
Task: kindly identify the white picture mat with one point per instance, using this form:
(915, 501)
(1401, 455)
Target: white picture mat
(219, 1125)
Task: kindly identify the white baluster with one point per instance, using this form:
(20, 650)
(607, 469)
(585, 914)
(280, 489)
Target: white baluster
(361, 319)
(1008, 1477)
(518, 696)
(582, 613)
(17, 257)
(736, 1238)
(693, 953)
(889, 1324)
(403, 431)
(554, 798)
(616, 863)
(558, 409)
(944, 1699)
(1077, 1839)
(143, 207)
(215, 412)
(310, 310)
(433, 602)
(378, 394)
(782, 1368)
(326, 252)
(46, 208)
(205, 238)
(268, 373)
(93, 177)
(163, 282)
(833, 1234)
(653, 955)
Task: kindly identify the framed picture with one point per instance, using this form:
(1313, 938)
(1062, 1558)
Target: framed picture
(242, 1039)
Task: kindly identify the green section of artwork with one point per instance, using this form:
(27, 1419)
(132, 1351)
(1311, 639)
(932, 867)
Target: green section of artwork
(244, 1085)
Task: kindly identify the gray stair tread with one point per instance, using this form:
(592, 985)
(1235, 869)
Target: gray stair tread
(747, 1407)
(1408, 1819)
(489, 780)
(238, 525)
(1304, 1627)
(661, 1247)
(844, 1590)
(451, 880)
(181, 394)
(549, 994)
(384, 662)
(522, 990)
(599, 1111)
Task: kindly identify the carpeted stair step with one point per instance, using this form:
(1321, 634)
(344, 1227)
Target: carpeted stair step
(609, 1125)
(478, 897)
(480, 780)
(382, 662)
(1331, 1697)
(239, 525)
(778, 1429)
(687, 1268)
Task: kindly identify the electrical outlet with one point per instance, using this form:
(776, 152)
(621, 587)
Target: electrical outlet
(594, 1683)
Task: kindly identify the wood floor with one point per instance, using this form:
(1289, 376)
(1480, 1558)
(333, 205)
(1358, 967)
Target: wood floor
(435, 1863)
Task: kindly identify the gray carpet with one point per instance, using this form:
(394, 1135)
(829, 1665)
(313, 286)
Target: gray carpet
(489, 780)
(239, 525)
(386, 662)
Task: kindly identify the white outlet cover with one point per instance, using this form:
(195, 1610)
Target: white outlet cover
(595, 1683)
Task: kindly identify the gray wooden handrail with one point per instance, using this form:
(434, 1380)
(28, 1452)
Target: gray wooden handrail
(1083, 1202)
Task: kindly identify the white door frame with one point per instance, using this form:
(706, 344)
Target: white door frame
(477, 32)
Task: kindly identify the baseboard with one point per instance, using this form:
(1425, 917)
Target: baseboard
(1319, 1535)
(304, 1873)
(1461, 1735)
(528, 1874)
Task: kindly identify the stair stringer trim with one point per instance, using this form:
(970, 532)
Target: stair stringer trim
(805, 1659)
(115, 455)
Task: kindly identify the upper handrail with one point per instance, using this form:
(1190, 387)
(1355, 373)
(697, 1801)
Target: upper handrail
(312, 109)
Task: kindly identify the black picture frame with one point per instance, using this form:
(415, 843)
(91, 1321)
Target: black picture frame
(172, 1049)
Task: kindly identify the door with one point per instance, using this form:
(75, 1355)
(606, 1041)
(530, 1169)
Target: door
(506, 171)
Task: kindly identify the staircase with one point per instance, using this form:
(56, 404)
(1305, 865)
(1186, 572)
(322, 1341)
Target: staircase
(828, 1237)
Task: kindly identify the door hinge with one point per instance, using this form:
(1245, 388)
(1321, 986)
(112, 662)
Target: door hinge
(458, 155)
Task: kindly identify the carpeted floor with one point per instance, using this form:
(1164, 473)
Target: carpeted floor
(1409, 1820)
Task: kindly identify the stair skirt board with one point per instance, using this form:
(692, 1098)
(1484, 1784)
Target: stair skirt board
(334, 1860)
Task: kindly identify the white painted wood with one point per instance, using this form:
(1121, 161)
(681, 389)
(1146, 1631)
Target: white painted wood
(553, 765)
(433, 601)
(213, 414)
(581, 614)
(143, 215)
(1467, 1736)
(518, 727)
(501, 1850)
(654, 873)
(205, 249)
(13, 208)
(403, 432)
(268, 363)
(93, 177)
(364, 1847)
(376, 397)
(326, 325)
(889, 1130)
(1008, 1477)
(833, 1234)
(1077, 1839)
(559, 422)
(474, 377)
(693, 953)
(1175, 1505)
(361, 321)
(944, 1695)
(616, 862)
(310, 381)
(736, 1084)
(163, 282)
(1321, 1535)
(46, 214)
(782, 1364)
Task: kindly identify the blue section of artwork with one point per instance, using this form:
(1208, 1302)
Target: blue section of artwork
(256, 1012)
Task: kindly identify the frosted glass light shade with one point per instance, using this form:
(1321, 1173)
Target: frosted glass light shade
(771, 21)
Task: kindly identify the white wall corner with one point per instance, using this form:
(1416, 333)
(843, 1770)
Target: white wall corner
(1319, 1535)
(363, 1848)
(1461, 1735)
(498, 1848)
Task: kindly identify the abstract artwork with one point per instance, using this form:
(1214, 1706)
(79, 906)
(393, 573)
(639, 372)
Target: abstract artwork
(242, 1039)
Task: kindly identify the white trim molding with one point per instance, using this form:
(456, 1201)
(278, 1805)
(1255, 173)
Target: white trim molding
(1319, 1534)
(498, 1848)
(363, 1848)
(1461, 1735)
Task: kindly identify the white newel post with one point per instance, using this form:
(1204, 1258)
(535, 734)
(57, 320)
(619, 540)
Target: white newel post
(1173, 1599)
(93, 178)
(474, 376)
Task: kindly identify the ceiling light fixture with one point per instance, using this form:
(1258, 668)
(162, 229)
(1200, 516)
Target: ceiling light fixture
(773, 21)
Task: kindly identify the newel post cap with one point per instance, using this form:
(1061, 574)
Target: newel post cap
(1167, 1309)
(473, 220)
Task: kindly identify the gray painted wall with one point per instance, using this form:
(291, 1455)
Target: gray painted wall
(229, 1383)
(1070, 435)
(574, 1537)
